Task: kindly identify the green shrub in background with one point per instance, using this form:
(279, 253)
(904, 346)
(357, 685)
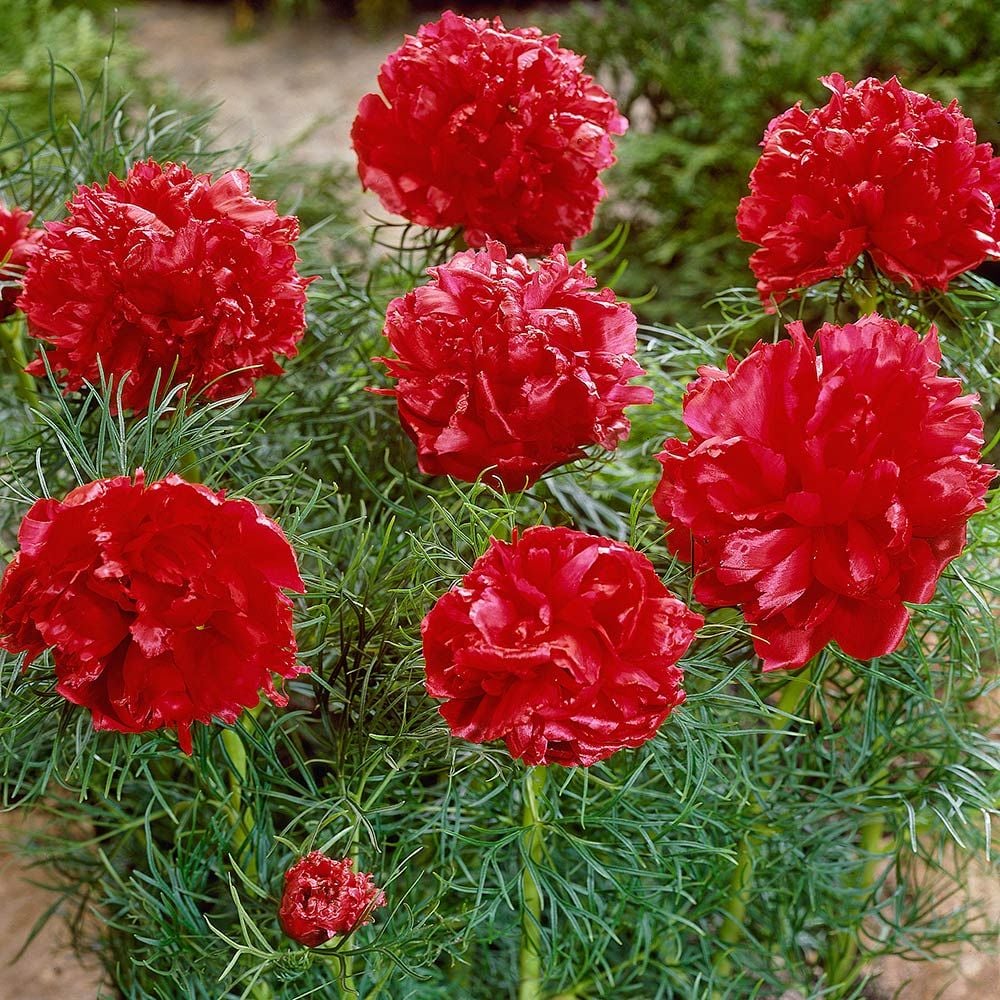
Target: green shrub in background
(700, 78)
(50, 41)
(643, 853)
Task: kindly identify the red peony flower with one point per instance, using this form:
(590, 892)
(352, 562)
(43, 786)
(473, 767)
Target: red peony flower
(17, 244)
(498, 131)
(879, 169)
(324, 897)
(820, 494)
(170, 272)
(507, 368)
(162, 602)
(560, 643)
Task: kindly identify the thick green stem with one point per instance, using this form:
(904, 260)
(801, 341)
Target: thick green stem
(346, 982)
(788, 703)
(13, 348)
(343, 975)
(736, 908)
(867, 302)
(531, 897)
(243, 817)
(866, 298)
(842, 956)
(189, 468)
(734, 912)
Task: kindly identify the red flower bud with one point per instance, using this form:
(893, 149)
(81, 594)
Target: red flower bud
(324, 897)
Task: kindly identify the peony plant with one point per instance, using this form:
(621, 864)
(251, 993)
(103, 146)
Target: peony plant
(499, 133)
(505, 370)
(378, 677)
(166, 275)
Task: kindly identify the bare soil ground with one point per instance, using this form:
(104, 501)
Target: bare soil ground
(299, 85)
(48, 969)
(295, 84)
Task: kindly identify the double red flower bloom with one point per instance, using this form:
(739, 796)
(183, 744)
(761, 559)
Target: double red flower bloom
(560, 643)
(821, 492)
(17, 244)
(500, 132)
(879, 169)
(162, 602)
(510, 368)
(167, 272)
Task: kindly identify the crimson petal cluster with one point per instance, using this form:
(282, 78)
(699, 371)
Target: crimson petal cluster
(167, 272)
(563, 644)
(17, 244)
(500, 132)
(162, 602)
(826, 481)
(879, 169)
(506, 367)
(324, 897)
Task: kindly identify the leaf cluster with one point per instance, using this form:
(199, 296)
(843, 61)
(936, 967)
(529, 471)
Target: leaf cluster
(171, 865)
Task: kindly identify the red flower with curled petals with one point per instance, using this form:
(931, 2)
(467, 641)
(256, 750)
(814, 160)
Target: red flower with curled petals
(500, 132)
(17, 244)
(167, 272)
(879, 169)
(162, 602)
(821, 493)
(324, 897)
(509, 368)
(563, 644)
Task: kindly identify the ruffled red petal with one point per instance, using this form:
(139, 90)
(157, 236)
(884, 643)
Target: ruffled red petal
(821, 493)
(162, 602)
(560, 643)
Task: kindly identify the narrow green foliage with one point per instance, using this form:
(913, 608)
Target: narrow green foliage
(864, 801)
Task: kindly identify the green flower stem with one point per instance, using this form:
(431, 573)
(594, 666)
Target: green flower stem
(13, 348)
(242, 817)
(867, 300)
(345, 980)
(531, 898)
(734, 912)
(188, 467)
(867, 303)
(842, 964)
(344, 974)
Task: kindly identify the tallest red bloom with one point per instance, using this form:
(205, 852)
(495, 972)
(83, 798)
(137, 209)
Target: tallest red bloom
(821, 493)
(500, 132)
(879, 169)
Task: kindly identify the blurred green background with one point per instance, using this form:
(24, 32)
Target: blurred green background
(699, 80)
